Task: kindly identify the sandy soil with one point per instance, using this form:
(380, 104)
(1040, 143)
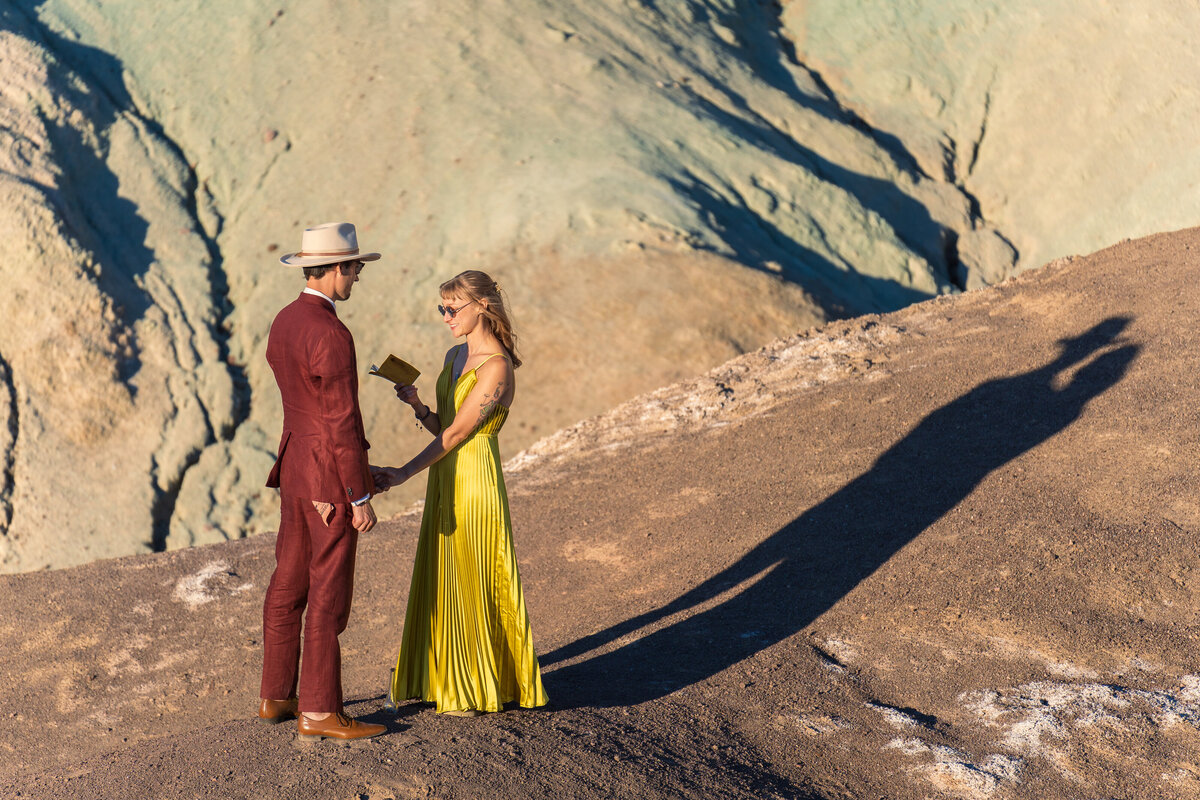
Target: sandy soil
(946, 552)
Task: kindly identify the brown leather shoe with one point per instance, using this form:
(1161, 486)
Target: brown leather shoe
(336, 726)
(273, 712)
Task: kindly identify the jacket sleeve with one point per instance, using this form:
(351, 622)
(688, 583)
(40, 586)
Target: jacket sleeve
(333, 364)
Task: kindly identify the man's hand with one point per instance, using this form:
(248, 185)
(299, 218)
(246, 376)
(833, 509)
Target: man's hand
(364, 517)
(325, 510)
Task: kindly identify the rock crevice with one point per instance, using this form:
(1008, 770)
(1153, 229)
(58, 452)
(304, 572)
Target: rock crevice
(10, 429)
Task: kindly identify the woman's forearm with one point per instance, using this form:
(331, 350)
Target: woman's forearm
(432, 423)
(443, 442)
(430, 420)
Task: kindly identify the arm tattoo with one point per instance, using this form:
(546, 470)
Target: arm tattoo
(489, 404)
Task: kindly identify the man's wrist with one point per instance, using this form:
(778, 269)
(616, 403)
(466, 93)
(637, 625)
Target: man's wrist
(361, 501)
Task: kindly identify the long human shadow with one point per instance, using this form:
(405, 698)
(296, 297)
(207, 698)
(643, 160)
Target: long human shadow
(815, 560)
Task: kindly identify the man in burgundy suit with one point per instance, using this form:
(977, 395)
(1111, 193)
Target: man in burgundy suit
(325, 489)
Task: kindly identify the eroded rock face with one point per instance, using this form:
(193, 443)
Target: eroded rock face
(1070, 125)
(657, 187)
(114, 376)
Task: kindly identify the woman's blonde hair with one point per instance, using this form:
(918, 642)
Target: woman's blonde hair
(476, 285)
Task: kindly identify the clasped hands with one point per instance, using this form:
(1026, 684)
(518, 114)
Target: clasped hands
(387, 477)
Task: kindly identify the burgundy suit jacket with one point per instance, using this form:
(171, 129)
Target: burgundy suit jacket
(323, 450)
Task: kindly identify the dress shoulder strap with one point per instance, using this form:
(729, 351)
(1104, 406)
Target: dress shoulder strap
(489, 358)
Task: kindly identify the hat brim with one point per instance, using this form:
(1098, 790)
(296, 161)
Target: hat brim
(297, 260)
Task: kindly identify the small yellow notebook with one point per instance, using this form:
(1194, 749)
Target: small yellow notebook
(396, 370)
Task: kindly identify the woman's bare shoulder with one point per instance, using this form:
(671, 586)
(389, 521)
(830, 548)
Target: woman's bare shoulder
(496, 375)
(495, 365)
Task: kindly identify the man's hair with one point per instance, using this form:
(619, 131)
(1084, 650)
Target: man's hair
(317, 272)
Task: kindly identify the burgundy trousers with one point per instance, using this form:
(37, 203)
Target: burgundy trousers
(313, 582)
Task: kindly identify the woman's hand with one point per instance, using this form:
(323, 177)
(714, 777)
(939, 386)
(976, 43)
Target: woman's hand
(409, 395)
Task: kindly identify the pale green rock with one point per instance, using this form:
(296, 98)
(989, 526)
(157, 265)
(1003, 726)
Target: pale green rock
(1070, 123)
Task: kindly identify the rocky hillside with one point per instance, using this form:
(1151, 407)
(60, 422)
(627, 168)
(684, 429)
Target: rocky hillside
(658, 186)
(1064, 122)
(943, 552)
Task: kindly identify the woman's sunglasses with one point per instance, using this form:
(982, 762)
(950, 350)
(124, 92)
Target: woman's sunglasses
(453, 312)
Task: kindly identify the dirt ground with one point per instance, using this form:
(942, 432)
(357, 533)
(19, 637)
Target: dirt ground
(946, 552)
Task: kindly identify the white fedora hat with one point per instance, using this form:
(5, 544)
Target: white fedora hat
(330, 243)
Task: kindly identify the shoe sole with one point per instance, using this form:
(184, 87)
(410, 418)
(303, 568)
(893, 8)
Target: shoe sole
(317, 737)
(274, 720)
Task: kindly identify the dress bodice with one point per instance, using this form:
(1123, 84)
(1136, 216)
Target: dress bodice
(451, 393)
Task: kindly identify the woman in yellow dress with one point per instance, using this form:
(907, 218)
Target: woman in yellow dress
(467, 645)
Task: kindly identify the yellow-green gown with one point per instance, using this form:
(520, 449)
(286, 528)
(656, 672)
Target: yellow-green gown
(467, 643)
